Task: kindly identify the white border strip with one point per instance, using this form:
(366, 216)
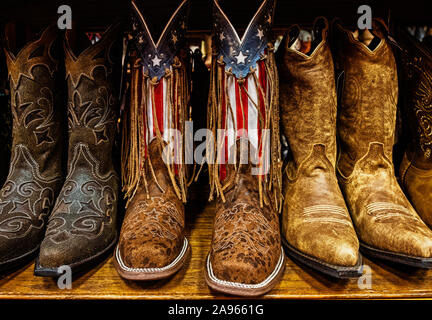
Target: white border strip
(152, 270)
(270, 278)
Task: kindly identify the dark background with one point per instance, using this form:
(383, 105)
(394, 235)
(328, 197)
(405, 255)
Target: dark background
(93, 13)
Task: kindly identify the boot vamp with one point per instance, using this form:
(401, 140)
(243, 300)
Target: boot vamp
(315, 218)
(246, 245)
(83, 222)
(417, 183)
(152, 234)
(383, 217)
(26, 200)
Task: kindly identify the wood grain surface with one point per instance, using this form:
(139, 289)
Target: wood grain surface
(299, 282)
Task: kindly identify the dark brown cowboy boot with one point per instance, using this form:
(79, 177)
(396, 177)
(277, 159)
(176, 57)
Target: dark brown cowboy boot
(35, 175)
(387, 225)
(246, 257)
(152, 241)
(416, 168)
(82, 226)
(316, 223)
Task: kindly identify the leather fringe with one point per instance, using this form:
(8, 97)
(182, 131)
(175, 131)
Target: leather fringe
(137, 168)
(270, 184)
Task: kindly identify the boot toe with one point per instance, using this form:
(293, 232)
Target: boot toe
(339, 249)
(72, 252)
(149, 254)
(246, 270)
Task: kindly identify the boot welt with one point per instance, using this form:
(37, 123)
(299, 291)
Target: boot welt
(144, 274)
(77, 267)
(243, 289)
(412, 261)
(335, 271)
(15, 263)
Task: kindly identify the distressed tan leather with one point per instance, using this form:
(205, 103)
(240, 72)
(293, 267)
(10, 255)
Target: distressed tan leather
(246, 243)
(153, 230)
(315, 219)
(35, 173)
(383, 217)
(416, 168)
(83, 222)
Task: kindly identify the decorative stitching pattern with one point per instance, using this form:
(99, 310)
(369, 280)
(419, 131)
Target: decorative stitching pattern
(92, 203)
(26, 197)
(383, 211)
(326, 214)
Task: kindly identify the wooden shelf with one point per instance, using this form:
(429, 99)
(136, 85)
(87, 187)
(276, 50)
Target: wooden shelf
(299, 282)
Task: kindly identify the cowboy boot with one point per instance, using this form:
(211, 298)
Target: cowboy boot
(246, 257)
(316, 224)
(416, 168)
(387, 225)
(35, 173)
(152, 241)
(82, 226)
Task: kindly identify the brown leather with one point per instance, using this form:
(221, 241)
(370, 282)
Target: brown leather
(35, 174)
(153, 230)
(83, 222)
(246, 243)
(382, 215)
(416, 168)
(315, 218)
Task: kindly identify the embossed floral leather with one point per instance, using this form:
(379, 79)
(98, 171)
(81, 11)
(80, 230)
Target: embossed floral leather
(83, 223)
(35, 174)
(387, 225)
(316, 223)
(416, 167)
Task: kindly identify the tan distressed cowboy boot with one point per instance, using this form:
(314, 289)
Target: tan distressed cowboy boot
(316, 224)
(82, 226)
(387, 225)
(35, 174)
(152, 241)
(246, 257)
(416, 168)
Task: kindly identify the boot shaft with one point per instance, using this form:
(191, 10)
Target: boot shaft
(368, 97)
(36, 111)
(308, 95)
(416, 66)
(92, 94)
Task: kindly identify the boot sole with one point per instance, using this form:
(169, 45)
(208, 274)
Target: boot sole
(146, 274)
(412, 261)
(335, 271)
(243, 289)
(77, 267)
(15, 263)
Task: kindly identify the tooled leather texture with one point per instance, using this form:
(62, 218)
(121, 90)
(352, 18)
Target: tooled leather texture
(416, 167)
(83, 222)
(35, 174)
(383, 217)
(153, 230)
(246, 244)
(315, 218)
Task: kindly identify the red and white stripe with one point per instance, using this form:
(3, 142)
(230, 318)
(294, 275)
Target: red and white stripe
(160, 111)
(238, 98)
